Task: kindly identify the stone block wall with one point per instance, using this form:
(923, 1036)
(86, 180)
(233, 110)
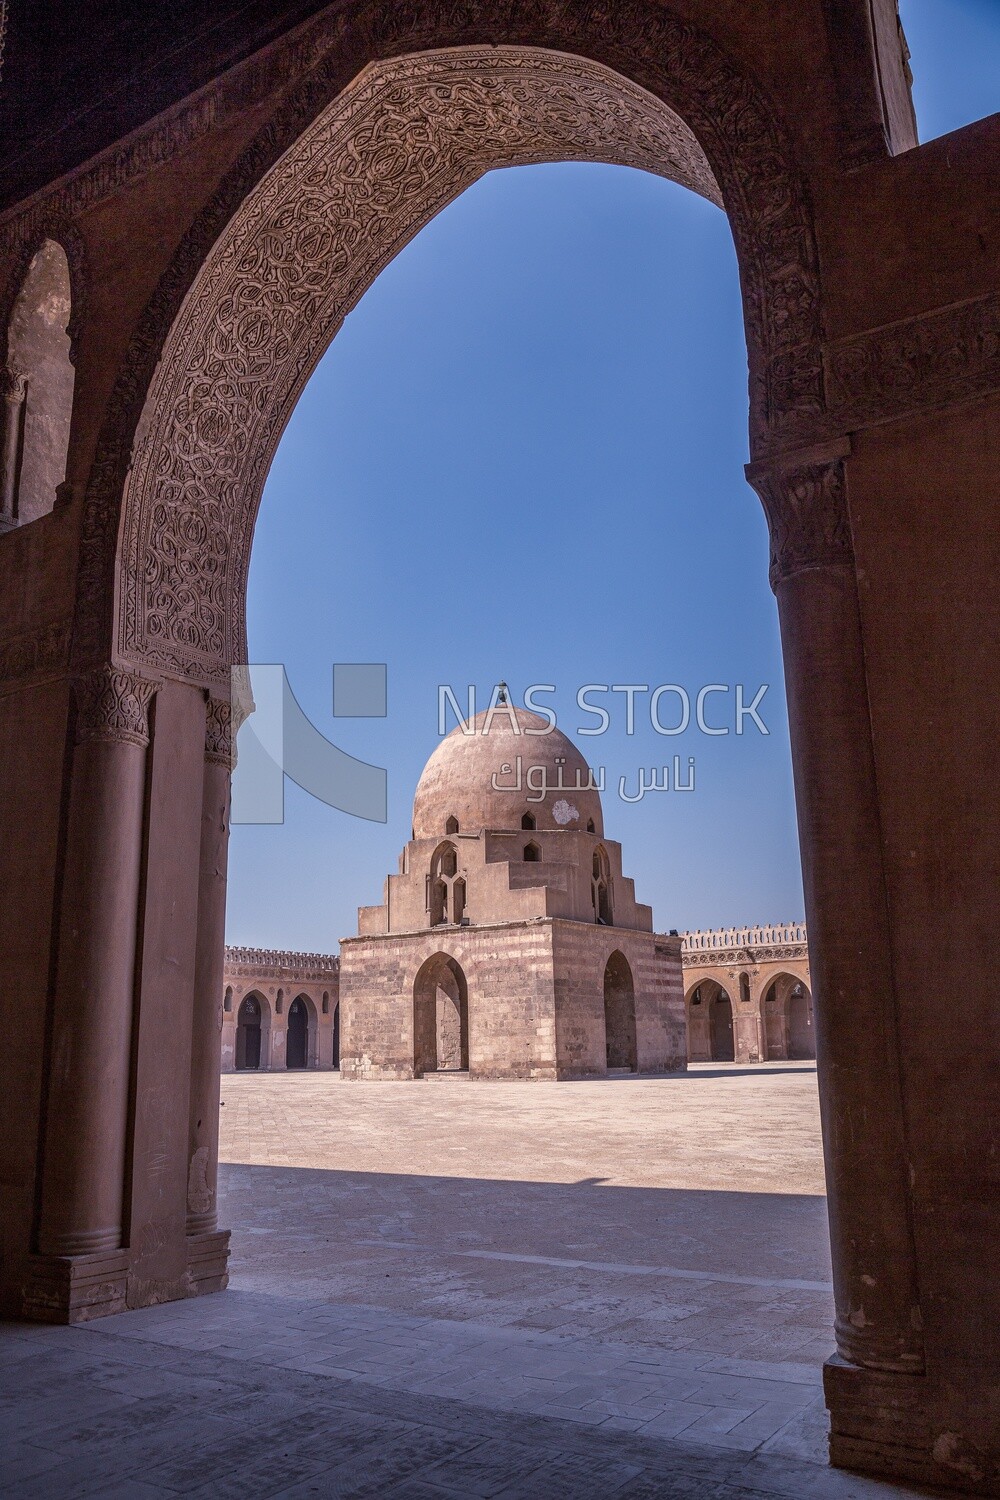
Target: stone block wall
(581, 955)
(508, 972)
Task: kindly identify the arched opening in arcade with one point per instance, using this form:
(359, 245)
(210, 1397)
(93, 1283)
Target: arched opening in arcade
(469, 592)
(721, 1035)
(711, 1030)
(440, 1017)
(300, 1036)
(619, 1015)
(788, 1018)
(670, 152)
(253, 1028)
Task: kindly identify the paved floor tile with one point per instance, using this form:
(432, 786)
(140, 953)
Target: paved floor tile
(512, 1290)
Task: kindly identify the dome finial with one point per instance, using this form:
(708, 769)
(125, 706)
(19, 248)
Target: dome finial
(501, 691)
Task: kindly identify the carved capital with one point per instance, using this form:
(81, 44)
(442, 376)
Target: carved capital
(113, 704)
(13, 385)
(219, 732)
(805, 502)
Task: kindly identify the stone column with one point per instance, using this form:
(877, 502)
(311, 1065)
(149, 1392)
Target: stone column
(207, 1259)
(87, 1109)
(206, 1058)
(13, 386)
(836, 792)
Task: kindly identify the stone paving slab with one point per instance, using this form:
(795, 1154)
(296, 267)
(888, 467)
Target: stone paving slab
(318, 1435)
(607, 1289)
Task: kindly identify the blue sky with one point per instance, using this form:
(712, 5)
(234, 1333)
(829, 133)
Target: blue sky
(522, 458)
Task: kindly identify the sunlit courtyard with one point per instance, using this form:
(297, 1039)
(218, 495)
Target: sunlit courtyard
(618, 1287)
(661, 1223)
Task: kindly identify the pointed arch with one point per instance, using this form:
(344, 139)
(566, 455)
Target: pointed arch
(440, 1017)
(619, 1014)
(301, 1033)
(253, 1033)
(183, 484)
(600, 886)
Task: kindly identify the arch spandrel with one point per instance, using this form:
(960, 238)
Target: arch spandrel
(254, 308)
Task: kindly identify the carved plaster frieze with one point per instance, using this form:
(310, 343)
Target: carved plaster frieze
(720, 959)
(113, 705)
(938, 359)
(282, 253)
(36, 653)
(274, 963)
(298, 257)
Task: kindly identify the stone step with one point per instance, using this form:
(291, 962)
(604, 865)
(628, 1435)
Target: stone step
(447, 1075)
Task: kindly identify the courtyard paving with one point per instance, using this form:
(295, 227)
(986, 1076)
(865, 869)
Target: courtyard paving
(448, 1288)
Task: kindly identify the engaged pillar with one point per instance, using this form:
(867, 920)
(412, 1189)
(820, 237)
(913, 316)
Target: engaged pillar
(207, 1247)
(13, 388)
(858, 1054)
(81, 1266)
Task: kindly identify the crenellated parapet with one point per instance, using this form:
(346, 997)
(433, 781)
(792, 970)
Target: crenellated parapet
(281, 963)
(772, 943)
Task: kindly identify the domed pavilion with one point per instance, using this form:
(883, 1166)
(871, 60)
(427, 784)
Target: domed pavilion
(510, 944)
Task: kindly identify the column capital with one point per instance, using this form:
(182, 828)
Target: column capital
(219, 732)
(113, 705)
(804, 495)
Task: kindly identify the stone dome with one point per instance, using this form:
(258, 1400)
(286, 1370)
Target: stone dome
(457, 781)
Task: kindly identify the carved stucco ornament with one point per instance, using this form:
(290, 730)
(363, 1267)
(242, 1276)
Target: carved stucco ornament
(805, 502)
(244, 314)
(937, 359)
(219, 732)
(112, 704)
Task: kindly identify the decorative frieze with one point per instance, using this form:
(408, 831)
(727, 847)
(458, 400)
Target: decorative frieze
(739, 957)
(37, 653)
(933, 360)
(277, 963)
(269, 271)
(718, 947)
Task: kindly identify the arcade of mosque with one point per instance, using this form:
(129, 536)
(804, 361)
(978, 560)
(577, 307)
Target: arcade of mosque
(510, 945)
